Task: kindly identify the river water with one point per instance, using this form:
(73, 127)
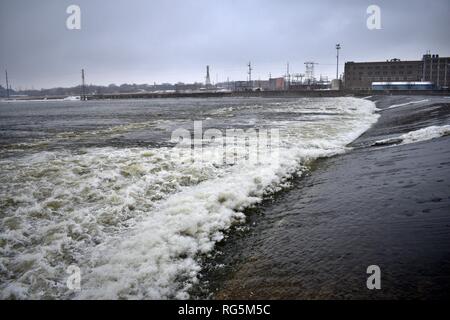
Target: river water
(104, 187)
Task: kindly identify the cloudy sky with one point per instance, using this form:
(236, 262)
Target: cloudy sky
(146, 41)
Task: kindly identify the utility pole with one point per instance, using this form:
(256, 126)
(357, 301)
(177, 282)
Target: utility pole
(338, 47)
(445, 73)
(250, 74)
(288, 76)
(7, 84)
(83, 92)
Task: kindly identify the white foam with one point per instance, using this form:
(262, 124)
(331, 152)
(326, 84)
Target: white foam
(407, 104)
(72, 98)
(136, 221)
(423, 134)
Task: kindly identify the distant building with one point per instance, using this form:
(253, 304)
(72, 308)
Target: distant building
(336, 84)
(276, 84)
(180, 87)
(243, 86)
(263, 85)
(361, 75)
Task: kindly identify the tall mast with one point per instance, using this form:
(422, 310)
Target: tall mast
(83, 90)
(7, 84)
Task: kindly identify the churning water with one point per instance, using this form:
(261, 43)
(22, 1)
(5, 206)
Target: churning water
(99, 185)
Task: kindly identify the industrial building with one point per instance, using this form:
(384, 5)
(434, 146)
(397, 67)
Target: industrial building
(432, 68)
(277, 84)
(273, 84)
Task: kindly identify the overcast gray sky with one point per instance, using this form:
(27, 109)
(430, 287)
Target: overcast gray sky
(137, 41)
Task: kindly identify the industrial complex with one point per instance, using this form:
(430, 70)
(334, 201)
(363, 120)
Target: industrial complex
(431, 74)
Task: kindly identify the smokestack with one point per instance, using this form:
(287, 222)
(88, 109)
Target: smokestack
(208, 79)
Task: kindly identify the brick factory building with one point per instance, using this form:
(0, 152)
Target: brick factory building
(360, 75)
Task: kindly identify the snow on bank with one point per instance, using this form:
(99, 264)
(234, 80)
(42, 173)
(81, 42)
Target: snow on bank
(406, 104)
(424, 134)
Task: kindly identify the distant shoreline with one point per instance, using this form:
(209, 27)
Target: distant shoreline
(248, 94)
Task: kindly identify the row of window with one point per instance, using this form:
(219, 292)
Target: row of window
(384, 67)
(382, 79)
(435, 68)
(442, 64)
(385, 73)
(394, 74)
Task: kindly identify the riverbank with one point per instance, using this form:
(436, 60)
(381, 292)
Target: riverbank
(234, 94)
(385, 204)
